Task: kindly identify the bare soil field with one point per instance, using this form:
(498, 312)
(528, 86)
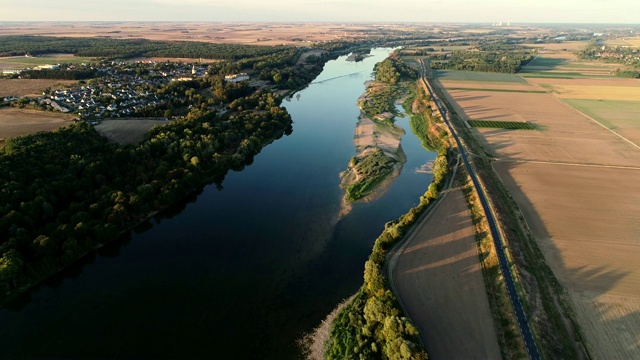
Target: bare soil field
(16, 122)
(587, 221)
(29, 87)
(442, 256)
(127, 131)
(567, 135)
(576, 184)
(237, 33)
(473, 85)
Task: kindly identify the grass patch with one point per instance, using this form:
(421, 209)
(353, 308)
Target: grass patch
(498, 90)
(478, 76)
(29, 62)
(613, 114)
(508, 125)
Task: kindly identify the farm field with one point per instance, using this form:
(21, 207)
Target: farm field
(565, 65)
(21, 62)
(29, 87)
(126, 131)
(573, 90)
(232, 32)
(16, 122)
(448, 75)
(623, 117)
(442, 255)
(585, 220)
(576, 184)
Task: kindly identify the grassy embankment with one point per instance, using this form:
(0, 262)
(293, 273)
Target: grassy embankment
(544, 299)
(372, 326)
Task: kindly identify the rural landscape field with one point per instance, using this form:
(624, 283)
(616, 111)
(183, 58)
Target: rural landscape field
(574, 178)
(177, 189)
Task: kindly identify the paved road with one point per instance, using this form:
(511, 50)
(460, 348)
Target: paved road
(523, 324)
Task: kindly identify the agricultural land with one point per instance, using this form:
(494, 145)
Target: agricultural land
(574, 179)
(127, 131)
(16, 122)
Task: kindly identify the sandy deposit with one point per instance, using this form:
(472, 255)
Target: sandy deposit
(455, 322)
(576, 184)
(370, 136)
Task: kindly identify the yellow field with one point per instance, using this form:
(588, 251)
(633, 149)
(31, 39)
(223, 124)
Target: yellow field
(596, 92)
(635, 42)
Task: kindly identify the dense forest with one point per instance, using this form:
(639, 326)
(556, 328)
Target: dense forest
(18, 45)
(65, 192)
(392, 70)
(489, 56)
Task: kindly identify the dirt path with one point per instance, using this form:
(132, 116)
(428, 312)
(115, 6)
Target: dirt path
(438, 277)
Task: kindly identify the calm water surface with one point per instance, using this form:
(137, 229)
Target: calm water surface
(238, 273)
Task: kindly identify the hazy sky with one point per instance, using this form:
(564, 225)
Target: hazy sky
(565, 11)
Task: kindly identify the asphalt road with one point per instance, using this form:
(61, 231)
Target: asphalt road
(523, 324)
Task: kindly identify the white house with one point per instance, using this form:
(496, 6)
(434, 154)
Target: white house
(236, 77)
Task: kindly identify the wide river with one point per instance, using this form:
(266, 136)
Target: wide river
(236, 273)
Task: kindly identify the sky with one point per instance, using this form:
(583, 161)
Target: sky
(429, 11)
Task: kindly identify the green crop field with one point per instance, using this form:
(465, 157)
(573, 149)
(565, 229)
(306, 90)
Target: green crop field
(545, 62)
(21, 62)
(478, 76)
(508, 125)
(613, 114)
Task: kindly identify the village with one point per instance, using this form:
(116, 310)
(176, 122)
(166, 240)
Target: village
(117, 90)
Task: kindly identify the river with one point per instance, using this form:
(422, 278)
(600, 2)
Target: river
(235, 273)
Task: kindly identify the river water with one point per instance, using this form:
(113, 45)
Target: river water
(236, 273)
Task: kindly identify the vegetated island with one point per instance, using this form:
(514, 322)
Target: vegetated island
(379, 156)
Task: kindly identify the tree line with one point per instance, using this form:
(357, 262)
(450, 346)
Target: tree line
(18, 45)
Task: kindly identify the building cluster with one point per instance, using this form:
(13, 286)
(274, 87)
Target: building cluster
(121, 89)
(102, 100)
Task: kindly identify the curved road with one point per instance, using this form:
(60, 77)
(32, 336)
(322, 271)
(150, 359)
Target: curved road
(523, 324)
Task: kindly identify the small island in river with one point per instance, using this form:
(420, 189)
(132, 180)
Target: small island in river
(379, 156)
